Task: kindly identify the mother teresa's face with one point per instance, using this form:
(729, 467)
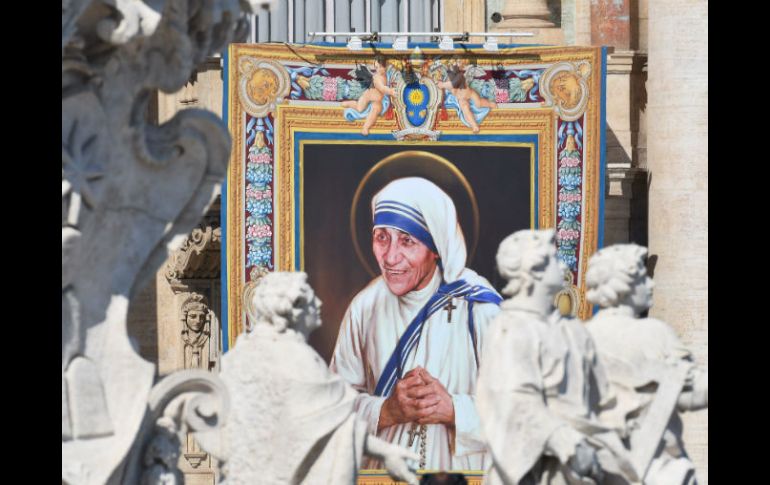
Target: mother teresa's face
(406, 263)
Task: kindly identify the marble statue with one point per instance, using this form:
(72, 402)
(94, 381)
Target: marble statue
(131, 191)
(540, 382)
(196, 330)
(291, 419)
(652, 375)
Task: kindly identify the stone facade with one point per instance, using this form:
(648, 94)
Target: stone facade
(174, 322)
(156, 316)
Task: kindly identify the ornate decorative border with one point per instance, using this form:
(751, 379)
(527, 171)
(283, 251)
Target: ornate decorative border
(329, 54)
(296, 114)
(413, 144)
(292, 119)
(276, 85)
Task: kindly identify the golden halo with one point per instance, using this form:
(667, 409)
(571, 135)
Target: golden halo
(412, 163)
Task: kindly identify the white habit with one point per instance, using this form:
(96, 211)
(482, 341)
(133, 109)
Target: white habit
(376, 319)
(370, 331)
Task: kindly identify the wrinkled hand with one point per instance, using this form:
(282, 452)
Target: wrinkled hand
(394, 458)
(418, 398)
(399, 407)
(433, 400)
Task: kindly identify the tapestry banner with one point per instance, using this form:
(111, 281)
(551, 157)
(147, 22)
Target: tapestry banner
(515, 137)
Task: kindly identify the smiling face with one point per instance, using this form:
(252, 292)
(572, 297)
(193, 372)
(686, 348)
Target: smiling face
(406, 263)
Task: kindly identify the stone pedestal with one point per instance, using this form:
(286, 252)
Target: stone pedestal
(526, 13)
(529, 16)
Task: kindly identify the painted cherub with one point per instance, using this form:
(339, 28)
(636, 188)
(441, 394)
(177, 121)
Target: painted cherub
(471, 108)
(374, 102)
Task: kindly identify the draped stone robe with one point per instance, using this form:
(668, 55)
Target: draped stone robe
(291, 420)
(638, 353)
(538, 383)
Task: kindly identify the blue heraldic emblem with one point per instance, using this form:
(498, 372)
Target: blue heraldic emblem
(416, 97)
(416, 106)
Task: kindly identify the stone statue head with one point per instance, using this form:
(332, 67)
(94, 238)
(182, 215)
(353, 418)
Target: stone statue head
(528, 257)
(617, 276)
(284, 300)
(195, 313)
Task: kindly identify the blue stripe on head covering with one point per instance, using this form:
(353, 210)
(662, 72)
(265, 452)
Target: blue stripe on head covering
(399, 206)
(406, 221)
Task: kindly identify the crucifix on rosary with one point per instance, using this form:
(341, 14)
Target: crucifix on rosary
(422, 431)
(449, 307)
(413, 432)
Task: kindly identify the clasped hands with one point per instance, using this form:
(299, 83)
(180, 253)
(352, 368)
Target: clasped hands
(417, 398)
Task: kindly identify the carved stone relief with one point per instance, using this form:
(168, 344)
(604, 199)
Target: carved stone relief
(193, 275)
(196, 330)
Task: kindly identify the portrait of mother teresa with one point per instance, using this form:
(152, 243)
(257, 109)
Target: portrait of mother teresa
(410, 342)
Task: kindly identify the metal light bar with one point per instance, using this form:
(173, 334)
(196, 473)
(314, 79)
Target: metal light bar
(422, 34)
(445, 39)
(446, 42)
